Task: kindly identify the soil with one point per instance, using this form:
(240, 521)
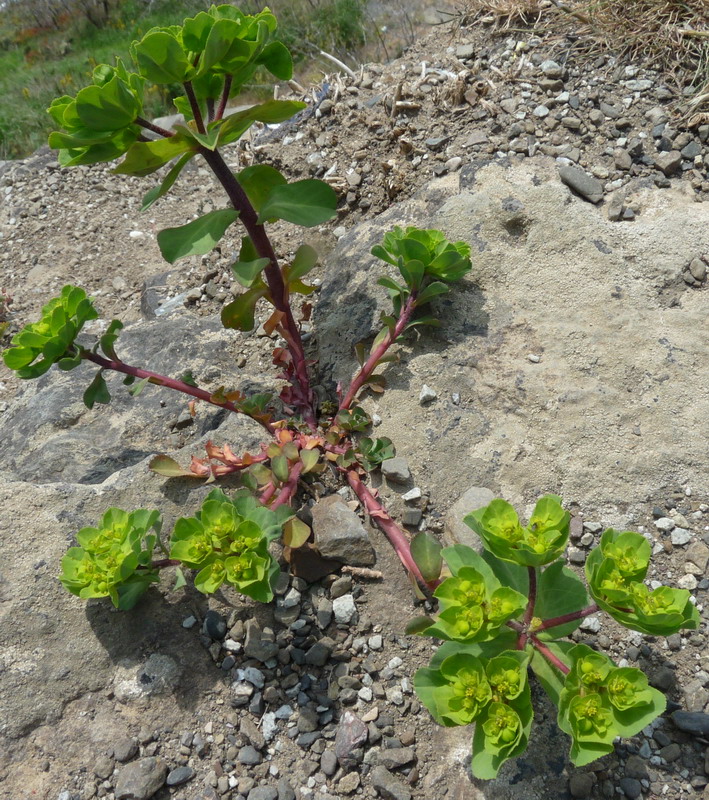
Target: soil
(573, 360)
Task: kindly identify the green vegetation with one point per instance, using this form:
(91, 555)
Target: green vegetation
(51, 48)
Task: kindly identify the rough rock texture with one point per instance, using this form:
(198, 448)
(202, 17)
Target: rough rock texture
(339, 533)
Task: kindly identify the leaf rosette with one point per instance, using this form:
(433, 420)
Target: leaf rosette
(542, 541)
(601, 701)
(615, 571)
(50, 340)
(473, 603)
(227, 542)
(113, 559)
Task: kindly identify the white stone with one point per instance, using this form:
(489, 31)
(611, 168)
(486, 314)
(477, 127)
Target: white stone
(680, 536)
(687, 582)
(344, 609)
(591, 624)
(427, 395)
(411, 495)
(665, 524)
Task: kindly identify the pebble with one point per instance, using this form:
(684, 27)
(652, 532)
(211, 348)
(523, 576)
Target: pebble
(427, 395)
(411, 495)
(581, 784)
(339, 533)
(344, 609)
(631, 788)
(665, 524)
(263, 793)
(396, 470)
(140, 779)
(551, 69)
(680, 536)
(388, 785)
(581, 182)
(694, 722)
(179, 775)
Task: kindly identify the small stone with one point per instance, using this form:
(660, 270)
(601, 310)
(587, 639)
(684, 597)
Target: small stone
(576, 556)
(541, 112)
(687, 582)
(582, 183)
(662, 678)
(249, 755)
(179, 775)
(697, 556)
(189, 622)
(691, 150)
(263, 793)
(465, 51)
(610, 111)
(396, 470)
(395, 757)
(551, 69)
(411, 495)
(453, 164)
(103, 768)
(141, 779)
(339, 231)
(285, 790)
(631, 788)
(214, 625)
(581, 784)
(670, 753)
(328, 762)
(694, 722)
(665, 524)
(351, 733)
(255, 646)
(125, 748)
(698, 269)
(388, 786)
(636, 767)
(622, 159)
(669, 163)
(437, 143)
(534, 358)
(412, 517)
(427, 395)
(348, 783)
(591, 624)
(344, 609)
(136, 234)
(680, 536)
(318, 654)
(339, 532)
(341, 586)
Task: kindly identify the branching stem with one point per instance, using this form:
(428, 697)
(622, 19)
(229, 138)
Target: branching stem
(144, 123)
(289, 487)
(550, 657)
(370, 365)
(564, 618)
(224, 98)
(274, 278)
(170, 383)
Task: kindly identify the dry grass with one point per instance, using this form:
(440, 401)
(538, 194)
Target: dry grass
(669, 35)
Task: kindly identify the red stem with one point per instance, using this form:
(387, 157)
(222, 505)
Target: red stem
(194, 105)
(165, 562)
(274, 278)
(144, 123)
(370, 365)
(289, 487)
(574, 615)
(171, 383)
(529, 611)
(267, 493)
(550, 657)
(381, 518)
(225, 97)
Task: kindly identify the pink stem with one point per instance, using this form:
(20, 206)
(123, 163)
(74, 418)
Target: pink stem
(171, 383)
(370, 365)
(562, 620)
(289, 487)
(529, 611)
(550, 657)
(267, 493)
(381, 518)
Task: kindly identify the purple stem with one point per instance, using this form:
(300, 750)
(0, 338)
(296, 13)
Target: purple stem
(171, 383)
(225, 97)
(550, 657)
(144, 123)
(194, 105)
(529, 611)
(370, 365)
(165, 562)
(274, 278)
(564, 618)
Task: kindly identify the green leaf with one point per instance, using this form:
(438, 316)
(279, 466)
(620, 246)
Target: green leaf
(239, 314)
(412, 272)
(307, 203)
(559, 592)
(280, 468)
(164, 465)
(305, 259)
(258, 181)
(163, 188)
(210, 578)
(161, 58)
(295, 533)
(426, 552)
(246, 272)
(180, 579)
(512, 575)
(429, 292)
(134, 391)
(144, 158)
(272, 111)
(97, 391)
(108, 107)
(417, 625)
(108, 340)
(310, 459)
(197, 237)
(277, 60)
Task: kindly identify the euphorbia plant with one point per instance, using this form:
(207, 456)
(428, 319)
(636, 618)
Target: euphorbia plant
(509, 609)
(501, 612)
(213, 55)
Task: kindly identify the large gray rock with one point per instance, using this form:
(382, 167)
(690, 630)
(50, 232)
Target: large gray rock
(340, 534)
(71, 443)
